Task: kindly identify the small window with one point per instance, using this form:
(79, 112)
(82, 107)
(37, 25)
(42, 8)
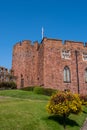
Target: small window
(66, 54)
(66, 74)
(84, 56)
(86, 75)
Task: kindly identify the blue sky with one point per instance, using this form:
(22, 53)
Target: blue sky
(23, 20)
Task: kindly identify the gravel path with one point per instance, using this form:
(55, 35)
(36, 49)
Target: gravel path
(84, 127)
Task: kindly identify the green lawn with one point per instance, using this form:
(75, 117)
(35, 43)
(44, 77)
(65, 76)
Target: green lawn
(23, 110)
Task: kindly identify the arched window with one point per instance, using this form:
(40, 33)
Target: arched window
(86, 75)
(66, 74)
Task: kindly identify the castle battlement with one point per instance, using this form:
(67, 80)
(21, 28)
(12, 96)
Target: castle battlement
(51, 42)
(66, 42)
(74, 43)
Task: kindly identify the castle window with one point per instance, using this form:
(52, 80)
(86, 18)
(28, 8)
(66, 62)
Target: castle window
(66, 74)
(66, 54)
(84, 56)
(86, 75)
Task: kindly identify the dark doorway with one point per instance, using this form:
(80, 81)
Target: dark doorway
(22, 83)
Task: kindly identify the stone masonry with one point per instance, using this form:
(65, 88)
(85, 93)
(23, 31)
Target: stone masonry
(43, 64)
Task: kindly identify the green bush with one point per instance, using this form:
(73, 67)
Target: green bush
(8, 85)
(12, 85)
(44, 91)
(49, 91)
(38, 90)
(28, 88)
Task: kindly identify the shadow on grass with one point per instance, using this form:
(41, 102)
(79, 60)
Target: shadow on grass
(68, 121)
(84, 112)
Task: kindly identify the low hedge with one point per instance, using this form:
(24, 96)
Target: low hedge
(8, 85)
(31, 88)
(40, 90)
(44, 91)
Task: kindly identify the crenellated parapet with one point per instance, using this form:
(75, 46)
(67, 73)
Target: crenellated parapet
(59, 42)
(25, 46)
(73, 43)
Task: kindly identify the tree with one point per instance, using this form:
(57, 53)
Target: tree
(63, 104)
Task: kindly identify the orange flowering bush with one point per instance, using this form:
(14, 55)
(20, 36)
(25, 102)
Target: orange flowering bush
(64, 103)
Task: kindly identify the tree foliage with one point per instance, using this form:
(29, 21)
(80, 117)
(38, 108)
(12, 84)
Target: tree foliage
(8, 85)
(83, 99)
(64, 103)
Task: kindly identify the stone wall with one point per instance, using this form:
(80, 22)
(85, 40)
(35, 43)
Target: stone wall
(43, 64)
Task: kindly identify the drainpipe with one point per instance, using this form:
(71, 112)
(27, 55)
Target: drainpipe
(76, 55)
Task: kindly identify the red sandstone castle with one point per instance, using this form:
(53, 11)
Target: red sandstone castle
(51, 64)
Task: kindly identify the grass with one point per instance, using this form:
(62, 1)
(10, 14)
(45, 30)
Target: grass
(22, 110)
(23, 94)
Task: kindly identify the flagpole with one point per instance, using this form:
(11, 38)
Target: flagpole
(42, 32)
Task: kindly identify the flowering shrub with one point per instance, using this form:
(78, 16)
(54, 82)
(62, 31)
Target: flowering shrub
(83, 99)
(64, 103)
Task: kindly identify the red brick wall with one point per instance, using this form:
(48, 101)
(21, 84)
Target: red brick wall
(42, 64)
